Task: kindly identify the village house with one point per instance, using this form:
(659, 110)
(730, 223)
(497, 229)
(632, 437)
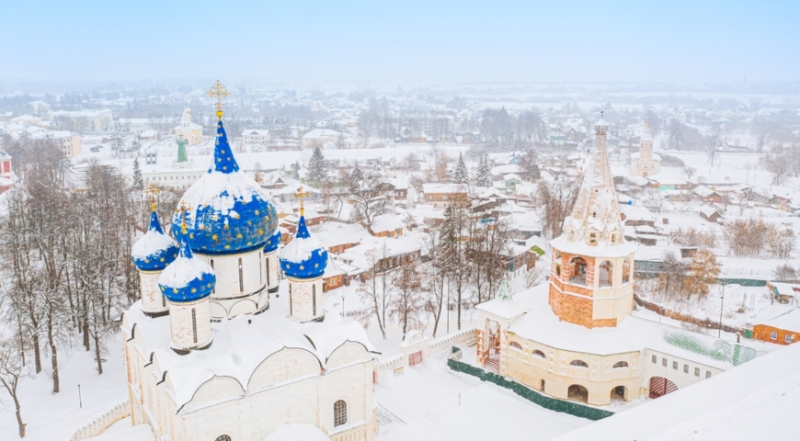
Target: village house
(709, 213)
(784, 292)
(441, 195)
(255, 136)
(777, 324)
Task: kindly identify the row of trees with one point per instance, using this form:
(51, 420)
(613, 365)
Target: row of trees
(65, 262)
(465, 267)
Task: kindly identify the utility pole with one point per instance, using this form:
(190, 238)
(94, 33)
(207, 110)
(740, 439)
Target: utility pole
(722, 305)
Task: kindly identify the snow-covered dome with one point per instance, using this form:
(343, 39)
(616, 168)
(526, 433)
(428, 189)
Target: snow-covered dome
(227, 211)
(187, 278)
(304, 257)
(155, 250)
(273, 242)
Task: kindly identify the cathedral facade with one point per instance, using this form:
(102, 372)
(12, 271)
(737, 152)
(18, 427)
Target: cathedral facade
(213, 351)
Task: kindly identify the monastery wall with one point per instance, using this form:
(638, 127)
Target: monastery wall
(550, 370)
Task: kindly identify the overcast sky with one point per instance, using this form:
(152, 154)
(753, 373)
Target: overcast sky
(401, 42)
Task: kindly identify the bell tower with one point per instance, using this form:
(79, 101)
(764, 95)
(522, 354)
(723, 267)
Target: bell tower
(591, 282)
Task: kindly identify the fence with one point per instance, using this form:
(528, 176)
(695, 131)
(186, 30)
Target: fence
(102, 422)
(529, 394)
(443, 344)
(418, 348)
(666, 312)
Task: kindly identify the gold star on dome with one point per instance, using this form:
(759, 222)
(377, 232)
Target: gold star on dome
(214, 236)
(162, 259)
(227, 247)
(146, 260)
(174, 290)
(257, 212)
(239, 236)
(260, 231)
(194, 290)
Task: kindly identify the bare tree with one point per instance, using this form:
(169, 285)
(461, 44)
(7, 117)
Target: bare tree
(407, 301)
(554, 201)
(435, 278)
(780, 242)
(11, 371)
(374, 292)
(703, 273)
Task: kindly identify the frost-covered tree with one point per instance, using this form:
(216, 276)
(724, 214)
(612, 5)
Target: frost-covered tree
(317, 168)
(484, 176)
(138, 182)
(407, 301)
(461, 174)
(11, 371)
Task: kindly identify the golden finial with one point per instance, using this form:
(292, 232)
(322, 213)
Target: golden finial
(153, 192)
(300, 195)
(219, 92)
(183, 216)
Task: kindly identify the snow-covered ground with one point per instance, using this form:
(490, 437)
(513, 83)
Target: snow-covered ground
(433, 403)
(55, 417)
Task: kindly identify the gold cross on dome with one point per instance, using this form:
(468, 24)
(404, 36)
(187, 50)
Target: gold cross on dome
(219, 92)
(153, 192)
(300, 195)
(183, 209)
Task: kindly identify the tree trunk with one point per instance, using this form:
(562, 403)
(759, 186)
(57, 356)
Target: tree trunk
(37, 356)
(97, 355)
(85, 326)
(53, 352)
(20, 424)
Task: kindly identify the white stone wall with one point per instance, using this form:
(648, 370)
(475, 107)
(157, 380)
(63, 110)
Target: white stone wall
(271, 264)
(677, 376)
(301, 297)
(153, 301)
(226, 268)
(180, 323)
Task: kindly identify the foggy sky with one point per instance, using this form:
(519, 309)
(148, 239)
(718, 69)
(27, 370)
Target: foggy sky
(401, 42)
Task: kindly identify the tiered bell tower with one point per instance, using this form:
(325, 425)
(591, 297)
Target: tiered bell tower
(591, 282)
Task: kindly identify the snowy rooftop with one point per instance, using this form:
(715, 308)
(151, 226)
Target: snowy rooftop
(540, 324)
(779, 316)
(240, 344)
(331, 234)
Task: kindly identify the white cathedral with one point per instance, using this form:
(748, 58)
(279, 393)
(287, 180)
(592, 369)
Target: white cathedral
(215, 349)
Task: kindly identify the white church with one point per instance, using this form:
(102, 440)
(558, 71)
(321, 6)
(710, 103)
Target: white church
(216, 349)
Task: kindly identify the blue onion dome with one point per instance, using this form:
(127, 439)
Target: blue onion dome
(187, 278)
(304, 257)
(228, 212)
(273, 242)
(155, 250)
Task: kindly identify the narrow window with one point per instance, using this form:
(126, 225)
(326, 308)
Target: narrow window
(260, 271)
(620, 364)
(773, 335)
(241, 280)
(579, 363)
(266, 262)
(789, 338)
(163, 300)
(664, 362)
(675, 365)
(515, 345)
(708, 374)
(194, 325)
(314, 299)
(214, 289)
(339, 413)
(696, 372)
(291, 303)
(686, 369)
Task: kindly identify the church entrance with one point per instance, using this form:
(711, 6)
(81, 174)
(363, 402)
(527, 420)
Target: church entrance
(660, 386)
(493, 347)
(618, 393)
(576, 392)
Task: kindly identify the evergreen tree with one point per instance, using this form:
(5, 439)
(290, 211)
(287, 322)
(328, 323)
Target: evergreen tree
(317, 168)
(138, 182)
(484, 177)
(356, 177)
(461, 175)
(530, 167)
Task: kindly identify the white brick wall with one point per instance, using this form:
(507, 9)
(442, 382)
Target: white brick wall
(301, 295)
(152, 299)
(180, 323)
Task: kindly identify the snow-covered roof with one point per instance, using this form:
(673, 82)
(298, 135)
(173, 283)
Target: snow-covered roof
(779, 316)
(387, 222)
(331, 234)
(377, 248)
(444, 188)
(708, 211)
(321, 134)
(240, 344)
(636, 213)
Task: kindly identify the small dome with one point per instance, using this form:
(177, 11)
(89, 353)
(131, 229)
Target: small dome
(155, 250)
(273, 242)
(227, 211)
(304, 257)
(187, 278)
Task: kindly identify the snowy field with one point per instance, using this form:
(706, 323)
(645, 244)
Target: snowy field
(433, 403)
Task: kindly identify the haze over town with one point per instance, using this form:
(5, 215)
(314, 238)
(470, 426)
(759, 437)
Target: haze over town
(369, 221)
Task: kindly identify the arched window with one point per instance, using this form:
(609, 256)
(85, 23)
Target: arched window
(241, 279)
(539, 353)
(626, 271)
(606, 273)
(592, 239)
(214, 289)
(620, 364)
(314, 299)
(558, 270)
(266, 262)
(339, 413)
(578, 270)
(579, 363)
(515, 345)
(223, 438)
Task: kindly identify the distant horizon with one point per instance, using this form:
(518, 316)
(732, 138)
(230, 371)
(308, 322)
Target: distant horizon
(408, 43)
